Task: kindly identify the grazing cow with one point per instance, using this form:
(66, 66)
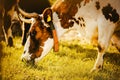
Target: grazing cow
(10, 23)
(103, 15)
(8, 19)
(1, 21)
(39, 6)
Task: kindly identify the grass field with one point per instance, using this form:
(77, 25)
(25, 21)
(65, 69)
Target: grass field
(73, 62)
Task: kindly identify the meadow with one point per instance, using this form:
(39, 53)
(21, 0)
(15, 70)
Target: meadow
(73, 62)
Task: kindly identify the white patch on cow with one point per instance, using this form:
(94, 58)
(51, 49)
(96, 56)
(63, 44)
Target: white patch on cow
(26, 55)
(47, 47)
(88, 11)
(108, 27)
(90, 20)
(59, 29)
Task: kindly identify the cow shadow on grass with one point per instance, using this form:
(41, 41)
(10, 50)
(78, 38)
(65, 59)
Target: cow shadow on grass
(77, 51)
(112, 58)
(88, 54)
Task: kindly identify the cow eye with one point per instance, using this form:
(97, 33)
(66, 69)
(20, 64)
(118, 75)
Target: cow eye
(32, 34)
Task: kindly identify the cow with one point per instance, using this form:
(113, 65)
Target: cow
(8, 19)
(1, 21)
(29, 8)
(10, 22)
(89, 15)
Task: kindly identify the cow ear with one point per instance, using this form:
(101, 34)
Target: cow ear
(47, 15)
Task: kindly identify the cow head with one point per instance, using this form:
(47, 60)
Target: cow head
(40, 39)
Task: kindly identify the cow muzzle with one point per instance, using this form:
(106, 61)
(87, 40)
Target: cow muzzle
(28, 62)
(26, 58)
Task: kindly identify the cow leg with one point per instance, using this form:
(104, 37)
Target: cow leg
(7, 26)
(1, 23)
(105, 32)
(116, 40)
(10, 37)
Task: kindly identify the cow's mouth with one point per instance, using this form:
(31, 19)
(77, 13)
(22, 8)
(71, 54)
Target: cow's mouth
(29, 62)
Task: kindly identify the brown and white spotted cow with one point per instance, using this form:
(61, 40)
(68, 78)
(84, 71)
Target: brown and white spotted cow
(67, 14)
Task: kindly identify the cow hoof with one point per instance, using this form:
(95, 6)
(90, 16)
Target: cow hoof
(97, 68)
(94, 70)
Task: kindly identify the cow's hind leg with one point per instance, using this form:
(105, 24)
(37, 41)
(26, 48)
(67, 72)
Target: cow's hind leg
(105, 31)
(116, 40)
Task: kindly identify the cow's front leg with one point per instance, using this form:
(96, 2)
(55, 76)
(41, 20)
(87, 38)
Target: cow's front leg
(10, 37)
(105, 32)
(99, 61)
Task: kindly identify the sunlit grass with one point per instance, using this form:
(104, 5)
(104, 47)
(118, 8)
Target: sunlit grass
(73, 62)
(52, 1)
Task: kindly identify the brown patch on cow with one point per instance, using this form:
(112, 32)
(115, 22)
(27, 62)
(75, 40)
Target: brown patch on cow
(81, 21)
(97, 5)
(66, 10)
(94, 39)
(38, 35)
(86, 1)
(83, 24)
(101, 48)
(110, 13)
(79, 18)
(77, 21)
(37, 53)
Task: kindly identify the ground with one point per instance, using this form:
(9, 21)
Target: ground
(73, 62)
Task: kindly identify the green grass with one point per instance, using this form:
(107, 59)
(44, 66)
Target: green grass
(73, 62)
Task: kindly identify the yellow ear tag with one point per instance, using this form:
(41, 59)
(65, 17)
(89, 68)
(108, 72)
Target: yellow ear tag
(48, 18)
